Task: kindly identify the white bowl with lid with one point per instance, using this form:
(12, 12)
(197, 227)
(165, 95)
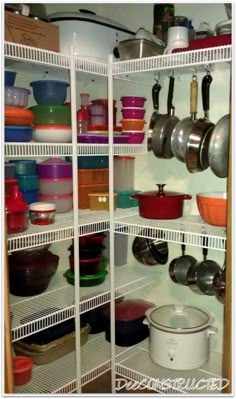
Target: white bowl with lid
(42, 213)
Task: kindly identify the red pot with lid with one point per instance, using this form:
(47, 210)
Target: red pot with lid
(161, 204)
(16, 212)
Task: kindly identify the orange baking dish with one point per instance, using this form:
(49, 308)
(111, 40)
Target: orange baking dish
(85, 190)
(93, 176)
(213, 208)
(15, 116)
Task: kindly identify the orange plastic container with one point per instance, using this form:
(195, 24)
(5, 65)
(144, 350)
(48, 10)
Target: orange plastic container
(213, 208)
(85, 190)
(100, 201)
(15, 116)
(133, 124)
(93, 176)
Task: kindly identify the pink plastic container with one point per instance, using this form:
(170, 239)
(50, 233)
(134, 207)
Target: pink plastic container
(55, 186)
(136, 138)
(133, 101)
(133, 113)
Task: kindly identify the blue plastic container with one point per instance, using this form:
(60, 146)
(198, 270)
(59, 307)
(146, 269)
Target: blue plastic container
(18, 134)
(25, 166)
(10, 78)
(28, 182)
(30, 196)
(124, 201)
(50, 92)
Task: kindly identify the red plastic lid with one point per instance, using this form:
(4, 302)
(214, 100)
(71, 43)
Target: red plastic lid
(117, 158)
(22, 364)
(15, 202)
(104, 128)
(130, 309)
(161, 193)
(103, 101)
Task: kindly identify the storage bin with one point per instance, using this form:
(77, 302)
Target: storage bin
(124, 199)
(28, 182)
(100, 201)
(85, 190)
(64, 203)
(30, 196)
(124, 173)
(10, 170)
(25, 167)
(56, 186)
(44, 354)
(93, 176)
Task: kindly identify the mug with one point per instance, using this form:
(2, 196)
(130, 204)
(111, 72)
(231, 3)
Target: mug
(177, 38)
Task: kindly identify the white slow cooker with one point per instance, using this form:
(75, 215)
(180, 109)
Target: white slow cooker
(93, 37)
(179, 336)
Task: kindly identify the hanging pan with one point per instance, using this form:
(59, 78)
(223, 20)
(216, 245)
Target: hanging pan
(155, 115)
(183, 128)
(199, 137)
(161, 137)
(218, 147)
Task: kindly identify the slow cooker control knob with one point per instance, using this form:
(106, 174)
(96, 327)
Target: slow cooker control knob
(171, 354)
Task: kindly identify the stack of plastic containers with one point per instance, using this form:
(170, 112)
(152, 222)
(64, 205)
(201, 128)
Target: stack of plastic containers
(27, 178)
(93, 177)
(124, 181)
(55, 183)
(133, 122)
(18, 120)
(52, 117)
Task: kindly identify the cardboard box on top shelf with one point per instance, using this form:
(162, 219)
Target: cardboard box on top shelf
(31, 32)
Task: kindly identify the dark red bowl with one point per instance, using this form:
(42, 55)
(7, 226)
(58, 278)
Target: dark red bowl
(87, 266)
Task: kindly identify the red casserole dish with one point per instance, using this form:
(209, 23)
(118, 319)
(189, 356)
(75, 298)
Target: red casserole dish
(161, 204)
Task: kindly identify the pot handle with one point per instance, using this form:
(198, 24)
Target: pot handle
(146, 322)
(211, 330)
(134, 196)
(187, 197)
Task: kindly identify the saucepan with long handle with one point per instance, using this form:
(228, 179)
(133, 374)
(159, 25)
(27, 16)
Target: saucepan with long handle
(155, 115)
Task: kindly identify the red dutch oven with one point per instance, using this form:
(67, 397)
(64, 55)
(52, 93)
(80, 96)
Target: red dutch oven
(161, 204)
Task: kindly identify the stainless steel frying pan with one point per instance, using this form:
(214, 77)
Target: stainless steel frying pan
(218, 150)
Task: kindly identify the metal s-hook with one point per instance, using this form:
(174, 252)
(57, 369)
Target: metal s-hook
(157, 79)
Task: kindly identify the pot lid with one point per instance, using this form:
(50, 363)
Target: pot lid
(161, 193)
(178, 317)
(130, 309)
(89, 16)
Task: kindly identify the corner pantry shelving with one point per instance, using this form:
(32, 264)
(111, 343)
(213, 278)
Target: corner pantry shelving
(97, 356)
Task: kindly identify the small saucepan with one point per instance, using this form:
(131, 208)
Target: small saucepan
(150, 252)
(155, 115)
(219, 284)
(179, 267)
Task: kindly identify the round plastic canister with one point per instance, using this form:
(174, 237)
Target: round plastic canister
(124, 173)
(25, 167)
(42, 213)
(16, 212)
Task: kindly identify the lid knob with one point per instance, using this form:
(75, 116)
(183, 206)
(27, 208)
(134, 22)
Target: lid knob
(161, 189)
(179, 309)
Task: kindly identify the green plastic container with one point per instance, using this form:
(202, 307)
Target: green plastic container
(51, 114)
(124, 201)
(87, 280)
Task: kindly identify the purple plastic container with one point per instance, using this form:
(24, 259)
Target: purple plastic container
(96, 139)
(54, 168)
(133, 113)
(133, 101)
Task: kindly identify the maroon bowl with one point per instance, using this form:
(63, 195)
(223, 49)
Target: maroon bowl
(54, 168)
(87, 266)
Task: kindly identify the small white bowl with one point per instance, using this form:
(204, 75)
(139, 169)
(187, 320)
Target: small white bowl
(52, 133)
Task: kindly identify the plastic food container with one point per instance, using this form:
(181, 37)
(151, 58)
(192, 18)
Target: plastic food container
(16, 96)
(54, 168)
(100, 201)
(124, 173)
(63, 203)
(10, 170)
(93, 162)
(133, 113)
(133, 101)
(135, 138)
(18, 117)
(138, 48)
(133, 124)
(85, 190)
(31, 275)
(52, 133)
(93, 176)
(42, 213)
(213, 208)
(100, 107)
(25, 167)
(102, 139)
(16, 211)
(30, 196)
(51, 114)
(22, 370)
(10, 78)
(88, 266)
(28, 182)
(9, 184)
(56, 186)
(124, 199)
(18, 134)
(47, 92)
(87, 280)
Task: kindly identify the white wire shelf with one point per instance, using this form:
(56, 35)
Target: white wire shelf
(183, 60)
(33, 150)
(192, 226)
(136, 365)
(56, 304)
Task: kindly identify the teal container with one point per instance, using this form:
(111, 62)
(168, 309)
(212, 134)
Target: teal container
(92, 162)
(28, 182)
(124, 201)
(25, 167)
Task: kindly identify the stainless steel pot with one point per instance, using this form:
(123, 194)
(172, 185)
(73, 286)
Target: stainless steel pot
(218, 151)
(150, 252)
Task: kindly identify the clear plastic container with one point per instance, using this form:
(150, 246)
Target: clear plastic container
(84, 98)
(124, 173)
(55, 186)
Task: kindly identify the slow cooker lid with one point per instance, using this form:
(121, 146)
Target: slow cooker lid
(178, 317)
